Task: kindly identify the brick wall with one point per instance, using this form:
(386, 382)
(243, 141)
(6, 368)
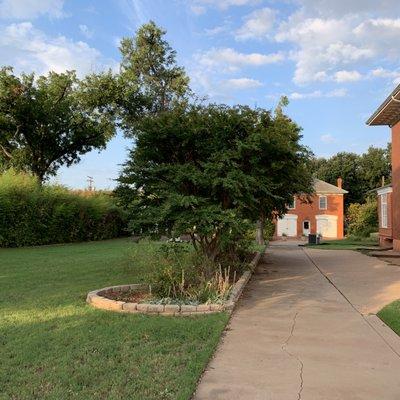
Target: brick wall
(396, 185)
(308, 212)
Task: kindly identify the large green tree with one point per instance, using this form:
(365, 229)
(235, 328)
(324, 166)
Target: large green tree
(50, 121)
(206, 170)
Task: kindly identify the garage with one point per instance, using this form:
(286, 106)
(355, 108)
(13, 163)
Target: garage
(287, 225)
(327, 225)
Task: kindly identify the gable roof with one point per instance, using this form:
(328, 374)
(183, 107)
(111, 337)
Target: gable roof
(388, 113)
(322, 187)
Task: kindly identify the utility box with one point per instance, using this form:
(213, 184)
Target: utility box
(313, 238)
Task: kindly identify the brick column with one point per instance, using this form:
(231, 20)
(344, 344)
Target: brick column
(396, 185)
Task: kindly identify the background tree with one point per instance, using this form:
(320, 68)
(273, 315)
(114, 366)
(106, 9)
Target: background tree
(375, 164)
(50, 121)
(209, 170)
(347, 166)
(149, 80)
(360, 173)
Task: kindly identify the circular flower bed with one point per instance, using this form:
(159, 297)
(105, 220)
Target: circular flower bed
(136, 298)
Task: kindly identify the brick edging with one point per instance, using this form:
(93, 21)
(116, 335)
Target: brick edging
(96, 299)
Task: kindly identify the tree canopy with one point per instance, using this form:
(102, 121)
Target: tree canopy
(50, 121)
(149, 80)
(360, 173)
(206, 170)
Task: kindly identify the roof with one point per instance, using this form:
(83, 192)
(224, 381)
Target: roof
(380, 188)
(388, 112)
(322, 187)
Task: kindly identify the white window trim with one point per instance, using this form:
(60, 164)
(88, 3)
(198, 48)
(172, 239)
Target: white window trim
(326, 202)
(294, 204)
(384, 210)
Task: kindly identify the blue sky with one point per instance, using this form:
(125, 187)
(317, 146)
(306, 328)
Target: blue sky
(335, 60)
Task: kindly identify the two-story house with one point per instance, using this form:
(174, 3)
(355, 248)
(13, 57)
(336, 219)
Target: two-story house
(323, 214)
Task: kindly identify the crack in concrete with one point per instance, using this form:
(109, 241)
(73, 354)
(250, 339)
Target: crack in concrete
(284, 348)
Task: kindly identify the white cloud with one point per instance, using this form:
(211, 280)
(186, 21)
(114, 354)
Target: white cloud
(347, 76)
(318, 94)
(242, 83)
(136, 11)
(341, 92)
(219, 88)
(29, 9)
(327, 139)
(380, 35)
(29, 49)
(231, 60)
(216, 30)
(257, 24)
(323, 46)
(340, 8)
(86, 31)
(330, 36)
(201, 5)
(198, 10)
(225, 27)
(386, 74)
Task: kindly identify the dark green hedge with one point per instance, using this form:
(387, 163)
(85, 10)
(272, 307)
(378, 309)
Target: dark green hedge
(31, 214)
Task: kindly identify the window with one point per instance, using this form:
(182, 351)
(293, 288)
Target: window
(323, 202)
(384, 209)
(292, 205)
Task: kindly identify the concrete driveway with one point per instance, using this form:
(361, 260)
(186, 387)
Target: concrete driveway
(304, 330)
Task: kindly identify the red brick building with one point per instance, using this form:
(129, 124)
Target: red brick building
(324, 215)
(388, 114)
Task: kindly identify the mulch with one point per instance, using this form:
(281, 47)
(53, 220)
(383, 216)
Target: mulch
(129, 296)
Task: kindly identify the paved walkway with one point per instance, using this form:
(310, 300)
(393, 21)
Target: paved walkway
(302, 331)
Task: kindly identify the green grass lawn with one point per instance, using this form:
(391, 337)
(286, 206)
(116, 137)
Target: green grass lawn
(390, 315)
(55, 346)
(345, 244)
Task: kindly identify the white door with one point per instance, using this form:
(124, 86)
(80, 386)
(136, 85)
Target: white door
(306, 228)
(327, 225)
(287, 225)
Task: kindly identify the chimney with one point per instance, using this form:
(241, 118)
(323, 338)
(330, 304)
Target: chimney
(339, 182)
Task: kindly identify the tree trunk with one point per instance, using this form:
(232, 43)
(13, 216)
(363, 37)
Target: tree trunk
(260, 232)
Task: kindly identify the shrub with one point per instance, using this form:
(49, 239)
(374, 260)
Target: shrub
(362, 219)
(176, 283)
(186, 276)
(31, 214)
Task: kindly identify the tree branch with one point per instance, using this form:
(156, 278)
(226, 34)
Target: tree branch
(5, 152)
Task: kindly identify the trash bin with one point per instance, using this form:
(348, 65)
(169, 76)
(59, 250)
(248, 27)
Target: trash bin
(312, 239)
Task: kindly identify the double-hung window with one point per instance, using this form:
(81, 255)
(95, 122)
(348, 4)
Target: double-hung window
(292, 205)
(384, 211)
(323, 202)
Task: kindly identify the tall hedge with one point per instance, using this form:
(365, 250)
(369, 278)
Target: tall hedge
(362, 219)
(31, 214)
